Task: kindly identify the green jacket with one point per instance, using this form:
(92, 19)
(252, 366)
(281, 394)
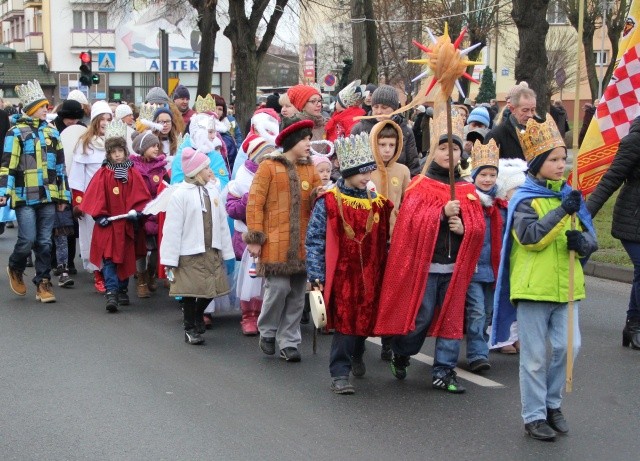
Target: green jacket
(539, 261)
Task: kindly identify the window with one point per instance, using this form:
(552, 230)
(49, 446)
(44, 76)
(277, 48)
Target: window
(78, 20)
(89, 20)
(555, 14)
(601, 57)
(102, 20)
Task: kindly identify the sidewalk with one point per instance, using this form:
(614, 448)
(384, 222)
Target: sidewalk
(609, 271)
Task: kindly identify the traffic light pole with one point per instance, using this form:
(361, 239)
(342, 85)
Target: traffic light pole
(164, 60)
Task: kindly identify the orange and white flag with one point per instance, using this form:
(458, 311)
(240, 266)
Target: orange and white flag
(619, 106)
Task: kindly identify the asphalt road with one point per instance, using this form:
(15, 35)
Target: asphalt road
(78, 383)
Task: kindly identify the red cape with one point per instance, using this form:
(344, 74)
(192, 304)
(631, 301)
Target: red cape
(107, 196)
(412, 247)
(340, 123)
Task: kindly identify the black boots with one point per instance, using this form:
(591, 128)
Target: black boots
(631, 334)
(191, 330)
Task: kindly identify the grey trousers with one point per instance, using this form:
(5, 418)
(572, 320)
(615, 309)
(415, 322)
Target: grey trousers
(282, 307)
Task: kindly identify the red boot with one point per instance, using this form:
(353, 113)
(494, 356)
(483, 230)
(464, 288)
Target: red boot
(248, 323)
(98, 282)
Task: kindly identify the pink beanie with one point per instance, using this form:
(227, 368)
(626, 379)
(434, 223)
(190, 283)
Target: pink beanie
(193, 162)
(318, 159)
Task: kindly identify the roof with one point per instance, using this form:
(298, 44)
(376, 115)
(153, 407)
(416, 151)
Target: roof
(24, 67)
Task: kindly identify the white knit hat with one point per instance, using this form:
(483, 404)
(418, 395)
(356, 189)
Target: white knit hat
(99, 108)
(122, 111)
(511, 175)
(77, 95)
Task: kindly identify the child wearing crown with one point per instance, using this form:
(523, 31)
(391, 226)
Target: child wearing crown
(442, 238)
(116, 189)
(479, 305)
(346, 252)
(533, 275)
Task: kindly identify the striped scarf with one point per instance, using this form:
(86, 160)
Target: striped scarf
(120, 170)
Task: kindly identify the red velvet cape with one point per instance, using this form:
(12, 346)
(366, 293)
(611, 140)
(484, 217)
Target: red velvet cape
(340, 123)
(352, 285)
(107, 196)
(497, 224)
(412, 247)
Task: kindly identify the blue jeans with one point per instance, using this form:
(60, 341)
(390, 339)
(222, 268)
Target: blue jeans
(343, 347)
(541, 382)
(633, 250)
(478, 312)
(446, 354)
(111, 280)
(35, 227)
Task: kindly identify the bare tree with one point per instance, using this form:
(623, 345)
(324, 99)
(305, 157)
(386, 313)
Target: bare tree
(248, 50)
(617, 12)
(365, 41)
(531, 60)
(561, 44)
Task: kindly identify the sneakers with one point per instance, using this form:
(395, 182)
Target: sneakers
(290, 354)
(44, 292)
(540, 430)
(98, 282)
(399, 364)
(479, 365)
(358, 369)
(112, 302)
(123, 298)
(448, 382)
(341, 385)
(193, 337)
(556, 420)
(64, 280)
(267, 345)
(16, 282)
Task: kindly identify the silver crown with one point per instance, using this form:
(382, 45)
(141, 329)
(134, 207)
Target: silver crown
(30, 92)
(115, 129)
(351, 94)
(147, 110)
(354, 151)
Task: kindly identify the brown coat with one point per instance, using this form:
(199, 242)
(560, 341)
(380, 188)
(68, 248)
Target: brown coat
(392, 179)
(278, 211)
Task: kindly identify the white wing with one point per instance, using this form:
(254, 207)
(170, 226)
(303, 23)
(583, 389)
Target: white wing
(161, 202)
(69, 138)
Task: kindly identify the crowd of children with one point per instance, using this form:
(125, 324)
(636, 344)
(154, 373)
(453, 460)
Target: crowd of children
(394, 257)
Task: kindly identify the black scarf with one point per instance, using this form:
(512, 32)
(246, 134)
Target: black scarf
(120, 170)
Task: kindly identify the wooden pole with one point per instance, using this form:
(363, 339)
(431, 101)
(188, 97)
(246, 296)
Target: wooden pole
(452, 179)
(574, 185)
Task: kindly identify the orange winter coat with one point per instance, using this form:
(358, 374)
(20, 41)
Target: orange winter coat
(278, 211)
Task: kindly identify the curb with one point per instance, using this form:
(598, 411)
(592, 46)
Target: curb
(609, 272)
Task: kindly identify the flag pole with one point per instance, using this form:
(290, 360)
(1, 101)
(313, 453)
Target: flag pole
(574, 185)
(452, 166)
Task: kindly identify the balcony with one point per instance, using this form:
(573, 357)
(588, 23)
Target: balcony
(33, 3)
(16, 44)
(96, 38)
(33, 41)
(11, 8)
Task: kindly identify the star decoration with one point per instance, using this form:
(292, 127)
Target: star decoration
(446, 61)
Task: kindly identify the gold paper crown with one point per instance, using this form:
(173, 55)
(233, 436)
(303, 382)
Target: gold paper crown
(147, 110)
(439, 125)
(485, 154)
(115, 129)
(538, 138)
(30, 92)
(354, 153)
(206, 104)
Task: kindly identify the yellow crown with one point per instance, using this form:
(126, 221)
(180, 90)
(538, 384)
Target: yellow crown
(485, 154)
(147, 111)
(115, 129)
(206, 104)
(439, 125)
(30, 92)
(538, 138)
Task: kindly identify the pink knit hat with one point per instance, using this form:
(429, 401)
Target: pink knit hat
(318, 159)
(299, 95)
(193, 162)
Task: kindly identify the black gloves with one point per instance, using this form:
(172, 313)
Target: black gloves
(135, 217)
(576, 241)
(571, 203)
(102, 221)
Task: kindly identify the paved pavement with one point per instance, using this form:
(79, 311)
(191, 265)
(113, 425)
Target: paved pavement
(81, 384)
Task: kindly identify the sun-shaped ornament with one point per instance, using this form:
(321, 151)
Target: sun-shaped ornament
(446, 62)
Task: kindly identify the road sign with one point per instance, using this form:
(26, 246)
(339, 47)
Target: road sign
(173, 83)
(107, 62)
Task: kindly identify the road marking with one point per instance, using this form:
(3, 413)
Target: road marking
(464, 374)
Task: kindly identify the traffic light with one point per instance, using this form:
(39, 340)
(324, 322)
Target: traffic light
(85, 68)
(95, 79)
